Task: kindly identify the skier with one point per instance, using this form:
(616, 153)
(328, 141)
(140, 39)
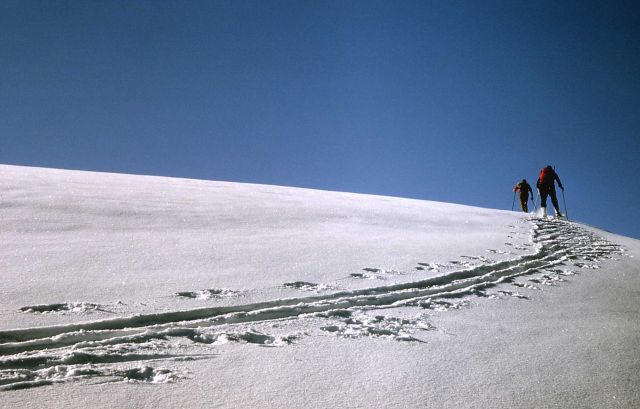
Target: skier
(546, 187)
(524, 188)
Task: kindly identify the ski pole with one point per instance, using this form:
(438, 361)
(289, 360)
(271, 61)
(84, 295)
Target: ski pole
(514, 200)
(566, 212)
(534, 204)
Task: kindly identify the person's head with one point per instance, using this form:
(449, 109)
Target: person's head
(523, 181)
(549, 167)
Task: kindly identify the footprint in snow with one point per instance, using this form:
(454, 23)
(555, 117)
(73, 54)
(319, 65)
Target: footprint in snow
(366, 276)
(379, 326)
(208, 294)
(461, 263)
(528, 286)
(430, 266)
(306, 286)
(478, 258)
(586, 265)
(443, 305)
(494, 251)
(33, 378)
(513, 294)
(73, 307)
(249, 337)
(375, 273)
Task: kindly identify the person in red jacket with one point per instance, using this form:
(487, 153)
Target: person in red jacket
(523, 188)
(546, 187)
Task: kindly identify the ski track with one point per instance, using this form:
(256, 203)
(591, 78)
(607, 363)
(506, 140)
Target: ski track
(107, 349)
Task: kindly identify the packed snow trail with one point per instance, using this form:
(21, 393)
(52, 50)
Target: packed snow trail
(41, 356)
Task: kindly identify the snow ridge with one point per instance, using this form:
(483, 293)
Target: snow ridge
(32, 357)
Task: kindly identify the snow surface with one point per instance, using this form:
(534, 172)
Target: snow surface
(219, 294)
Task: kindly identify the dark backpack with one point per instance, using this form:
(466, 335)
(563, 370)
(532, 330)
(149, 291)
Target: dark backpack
(523, 187)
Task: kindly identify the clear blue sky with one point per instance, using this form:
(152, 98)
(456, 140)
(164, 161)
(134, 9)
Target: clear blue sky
(452, 101)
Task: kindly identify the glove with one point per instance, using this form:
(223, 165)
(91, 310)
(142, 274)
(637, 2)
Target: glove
(562, 188)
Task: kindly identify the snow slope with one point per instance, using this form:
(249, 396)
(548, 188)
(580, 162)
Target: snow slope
(115, 282)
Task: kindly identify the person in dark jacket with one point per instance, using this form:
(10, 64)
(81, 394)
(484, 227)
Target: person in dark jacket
(546, 187)
(523, 188)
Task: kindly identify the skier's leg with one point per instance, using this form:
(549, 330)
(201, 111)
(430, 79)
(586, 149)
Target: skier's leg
(543, 201)
(554, 201)
(524, 199)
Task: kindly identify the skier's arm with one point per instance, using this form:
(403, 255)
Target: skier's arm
(558, 180)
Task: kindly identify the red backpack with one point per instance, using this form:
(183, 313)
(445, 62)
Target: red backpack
(546, 176)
